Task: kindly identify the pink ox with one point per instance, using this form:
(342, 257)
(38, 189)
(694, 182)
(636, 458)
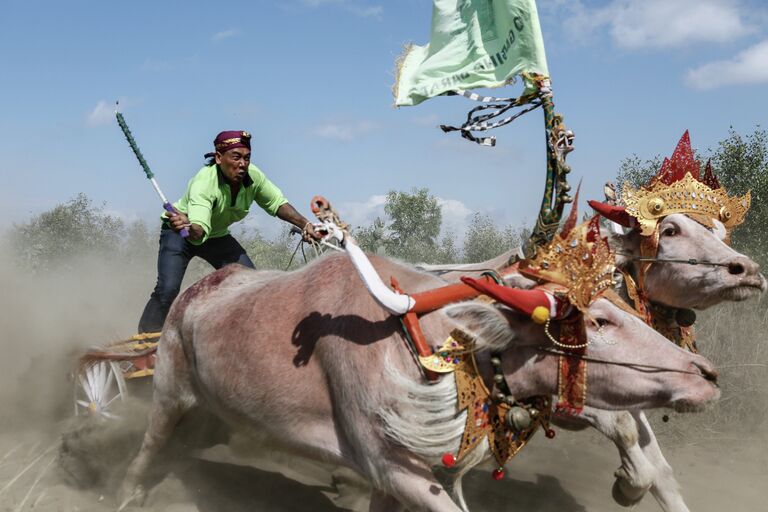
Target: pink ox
(310, 360)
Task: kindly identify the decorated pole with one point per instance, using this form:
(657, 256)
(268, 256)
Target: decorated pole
(559, 144)
(145, 167)
(483, 44)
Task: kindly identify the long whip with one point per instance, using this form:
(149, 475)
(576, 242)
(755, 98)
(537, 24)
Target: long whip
(150, 175)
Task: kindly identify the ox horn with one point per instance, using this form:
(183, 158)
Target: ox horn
(395, 303)
(539, 305)
(617, 214)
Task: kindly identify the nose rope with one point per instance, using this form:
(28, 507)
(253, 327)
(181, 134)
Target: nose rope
(635, 366)
(690, 261)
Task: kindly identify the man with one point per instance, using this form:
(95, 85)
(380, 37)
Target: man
(220, 194)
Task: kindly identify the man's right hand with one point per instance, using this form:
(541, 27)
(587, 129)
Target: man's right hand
(178, 220)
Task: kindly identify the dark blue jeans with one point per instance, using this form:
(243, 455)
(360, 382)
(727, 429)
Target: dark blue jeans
(172, 260)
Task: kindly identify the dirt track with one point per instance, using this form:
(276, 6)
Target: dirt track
(569, 474)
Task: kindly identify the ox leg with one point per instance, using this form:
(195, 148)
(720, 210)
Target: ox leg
(382, 502)
(452, 478)
(636, 473)
(162, 421)
(172, 398)
(665, 487)
(404, 483)
(414, 491)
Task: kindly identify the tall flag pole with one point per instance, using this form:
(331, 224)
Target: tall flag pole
(486, 44)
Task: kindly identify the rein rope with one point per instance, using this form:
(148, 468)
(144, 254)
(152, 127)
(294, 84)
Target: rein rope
(690, 261)
(641, 367)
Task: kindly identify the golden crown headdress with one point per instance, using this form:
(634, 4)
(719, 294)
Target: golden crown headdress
(679, 188)
(578, 261)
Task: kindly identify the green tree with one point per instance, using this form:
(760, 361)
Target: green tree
(414, 227)
(274, 254)
(635, 171)
(372, 238)
(448, 252)
(69, 230)
(741, 165)
(485, 240)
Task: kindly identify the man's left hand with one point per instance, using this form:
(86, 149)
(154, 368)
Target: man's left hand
(309, 234)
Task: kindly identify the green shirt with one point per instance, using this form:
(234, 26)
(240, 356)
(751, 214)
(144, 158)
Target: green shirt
(208, 200)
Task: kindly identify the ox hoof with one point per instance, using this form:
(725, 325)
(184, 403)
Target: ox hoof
(131, 496)
(625, 494)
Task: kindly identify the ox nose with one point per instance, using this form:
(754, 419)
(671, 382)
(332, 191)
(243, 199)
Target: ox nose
(707, 371)
(743, 267)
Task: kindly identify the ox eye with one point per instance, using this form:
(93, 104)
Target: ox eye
(602, 322)
(669, 231)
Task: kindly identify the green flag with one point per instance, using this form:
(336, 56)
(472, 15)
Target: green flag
(473, 43)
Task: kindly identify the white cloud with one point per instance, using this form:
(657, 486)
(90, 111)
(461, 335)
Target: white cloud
(748, 67)
(456, 217)
(226, 34)
(360, 214)
(103, 113)
(637, 24)
(343, 131)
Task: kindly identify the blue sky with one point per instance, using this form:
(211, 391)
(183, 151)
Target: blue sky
(310, 79)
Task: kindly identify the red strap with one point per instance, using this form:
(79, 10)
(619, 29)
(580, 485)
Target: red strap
(411, 323)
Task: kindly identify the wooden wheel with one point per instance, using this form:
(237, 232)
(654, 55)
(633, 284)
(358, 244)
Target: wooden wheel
(99, 387)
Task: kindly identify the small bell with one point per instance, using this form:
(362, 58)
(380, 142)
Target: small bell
(518, 418)
(685, 317)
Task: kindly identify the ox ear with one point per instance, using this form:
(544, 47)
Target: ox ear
(491, 328)
(617, 214)
(518, 281)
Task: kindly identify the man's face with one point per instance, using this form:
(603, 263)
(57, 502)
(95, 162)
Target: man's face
(234, 163)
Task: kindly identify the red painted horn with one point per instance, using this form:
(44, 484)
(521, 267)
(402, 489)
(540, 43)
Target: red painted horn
(524, 301)
(617, 214)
